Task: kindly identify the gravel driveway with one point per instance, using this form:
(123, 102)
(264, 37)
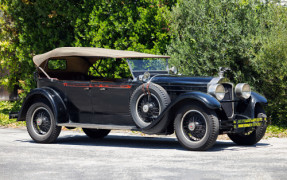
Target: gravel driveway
(130, 156)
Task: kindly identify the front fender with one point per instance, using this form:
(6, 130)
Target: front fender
(247, 108)
(160, 124)
(206, 99)
(257, 98)
(49, 95)
(254, 100)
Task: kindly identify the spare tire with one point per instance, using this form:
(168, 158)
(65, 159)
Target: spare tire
(147, 102)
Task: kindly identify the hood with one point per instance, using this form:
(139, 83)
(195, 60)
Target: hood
(181, 80)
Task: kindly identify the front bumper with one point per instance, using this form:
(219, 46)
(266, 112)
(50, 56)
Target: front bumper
(244, 123)
(235, 124)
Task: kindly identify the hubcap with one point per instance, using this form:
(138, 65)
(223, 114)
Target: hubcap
(39, 121)
(191, 126)
(145, 108)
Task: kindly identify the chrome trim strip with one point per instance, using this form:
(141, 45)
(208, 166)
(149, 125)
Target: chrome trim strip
(232, 96)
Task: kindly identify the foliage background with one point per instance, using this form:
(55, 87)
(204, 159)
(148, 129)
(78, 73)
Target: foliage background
(246, 35)
(30, 27)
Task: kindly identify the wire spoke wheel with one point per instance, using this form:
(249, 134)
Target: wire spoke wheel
(148, 108)
(41, 124)
(41, 120)
(194, 125)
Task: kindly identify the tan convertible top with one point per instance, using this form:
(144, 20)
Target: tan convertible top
(90, 52)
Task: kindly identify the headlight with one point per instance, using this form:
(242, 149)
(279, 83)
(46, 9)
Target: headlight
(217, 90)
(243, 91)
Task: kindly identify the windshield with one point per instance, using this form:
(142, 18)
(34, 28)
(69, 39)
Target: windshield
(154, 66)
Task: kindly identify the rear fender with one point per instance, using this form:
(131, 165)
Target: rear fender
(49, 95)
(159, 126)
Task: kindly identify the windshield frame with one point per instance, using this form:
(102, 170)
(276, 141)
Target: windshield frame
(154, 72)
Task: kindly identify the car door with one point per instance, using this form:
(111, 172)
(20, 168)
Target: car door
(111, 102)
(79, 102)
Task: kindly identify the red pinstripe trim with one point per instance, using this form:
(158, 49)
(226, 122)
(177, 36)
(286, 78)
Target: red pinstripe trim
(96, 85)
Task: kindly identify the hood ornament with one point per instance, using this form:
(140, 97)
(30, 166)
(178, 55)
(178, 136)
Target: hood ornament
(222, 70)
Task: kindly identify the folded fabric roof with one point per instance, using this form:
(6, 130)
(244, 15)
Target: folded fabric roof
(91, 52)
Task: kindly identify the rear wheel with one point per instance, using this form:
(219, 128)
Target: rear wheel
(96, 133)
(196, 127)
(41, 124)
(251, 136)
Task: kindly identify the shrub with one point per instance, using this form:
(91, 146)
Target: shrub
(247, 36)
(34, 27)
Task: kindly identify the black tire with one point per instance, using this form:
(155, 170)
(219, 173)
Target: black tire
(255, 136)
(96, 133)
(41, 124)
(155, 103)
(70, 128)
(196, 127)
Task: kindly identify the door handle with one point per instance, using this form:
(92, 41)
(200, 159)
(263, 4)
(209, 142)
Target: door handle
(102, 89)
(87, 88)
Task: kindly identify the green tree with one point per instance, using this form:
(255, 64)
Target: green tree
(125, 24)
(270, 64)
(247, 36)
(212, 34)
(31, 27)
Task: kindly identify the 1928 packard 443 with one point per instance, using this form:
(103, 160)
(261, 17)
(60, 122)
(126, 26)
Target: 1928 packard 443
(73, 91)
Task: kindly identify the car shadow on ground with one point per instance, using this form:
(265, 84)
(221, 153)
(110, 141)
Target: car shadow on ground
(146, 142)
(231, 146)
(121, 141)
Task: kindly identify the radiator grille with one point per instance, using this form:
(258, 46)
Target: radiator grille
(228, 106)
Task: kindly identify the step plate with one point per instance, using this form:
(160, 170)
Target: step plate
(99, 126)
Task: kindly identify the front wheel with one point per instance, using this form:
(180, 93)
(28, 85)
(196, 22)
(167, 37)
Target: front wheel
(196, 127)
(252, 136)
(41, 124)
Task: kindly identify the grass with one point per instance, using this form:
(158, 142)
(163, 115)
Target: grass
(276, 131)
(6, 107)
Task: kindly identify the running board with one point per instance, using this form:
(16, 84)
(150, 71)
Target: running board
(99, 126)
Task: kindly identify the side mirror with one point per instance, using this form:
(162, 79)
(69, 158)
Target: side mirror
(145, 77)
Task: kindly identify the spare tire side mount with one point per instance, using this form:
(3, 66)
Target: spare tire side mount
(147, 102)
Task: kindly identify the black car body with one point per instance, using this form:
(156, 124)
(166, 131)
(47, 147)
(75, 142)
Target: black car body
(150, 100)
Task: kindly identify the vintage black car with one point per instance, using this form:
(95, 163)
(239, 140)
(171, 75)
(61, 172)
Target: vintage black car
(90, 88)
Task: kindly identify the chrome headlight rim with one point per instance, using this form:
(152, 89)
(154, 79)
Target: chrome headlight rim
(243, 91)
(217, 90)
